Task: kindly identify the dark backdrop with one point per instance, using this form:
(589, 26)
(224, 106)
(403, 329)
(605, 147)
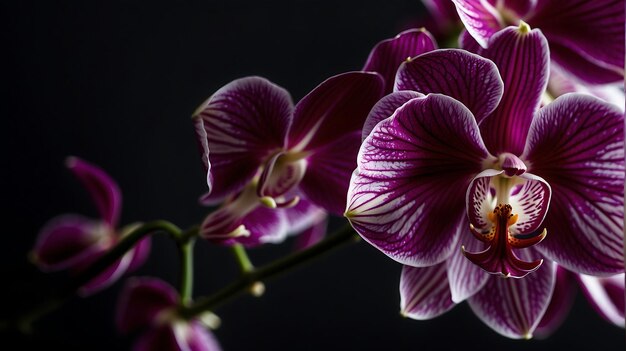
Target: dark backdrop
(115, 82)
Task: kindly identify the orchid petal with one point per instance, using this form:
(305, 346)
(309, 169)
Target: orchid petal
(424, 292)
(68, 241)
(481, 19)
(586, 71)
(591, 29)
(336, 107)
(519, 8)
(328, 172)
(606, 295)
(140, 253)
(195, 337)
(102, 188)
(530, 201)
(521, 55)
(388, 54)
(561, 84)
(280, 175)
(302, 216)
(141, 301)
(467, 77)
(514, 307)
(385, 107)
(312, 235)
(242, 123)
(465, 277)
(467, 42)
(406, 196)
(109, 276)
(560, 304)
(480, 199)
(576, 144)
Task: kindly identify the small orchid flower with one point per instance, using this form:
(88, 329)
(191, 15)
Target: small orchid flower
(586, 38)
(454, 184)
(149, 303)
(74, 242)
(271, 154)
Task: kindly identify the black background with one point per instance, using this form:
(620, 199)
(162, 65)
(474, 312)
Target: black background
(115, 82)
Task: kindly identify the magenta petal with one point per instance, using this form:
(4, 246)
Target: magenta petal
(312, 235)
(303, 215)
(592, 30)
(407, 195)
(606, 295)
(520, 7)
(514, 307)
(103, 189)
(467, 77)
(583, 160)
(198, 338)
(107, 277)
(336, 107)
(69, 241)
(388, 54)
(522, 58)
(560, 304)
(585, 70)
(328, 173)
(424, 292)
(140, 253)
(242, 124)
(141, 301)
(467, 42)
(479, 198)
(481, 19)
(530, 201)
(385, 107)
(560, 83)
(465, 277)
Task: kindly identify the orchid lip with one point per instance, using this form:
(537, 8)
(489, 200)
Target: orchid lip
(499, 257)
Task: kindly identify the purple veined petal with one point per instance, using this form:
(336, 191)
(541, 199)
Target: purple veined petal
(107, 277)
(243, 123)
(514, 307)
(328, 172)
(336, 107)
(385, 107)
(480, 198)
(281, 174)
(606, 295)
(469, 78)
(592, 29)
(68, 241)
(521, 55)
(407, 195)
(388, 54)
(141, 301)
(266, 225)
(465, 277)
(443, 10)
(560, 84)
(140, 254)
(576, 144)
(560, 304)
(467, 42)
(194, 337)
(103, 189)
(481, 19)
(312, 235)
(530, 201)
(424, 292)
(584, 70)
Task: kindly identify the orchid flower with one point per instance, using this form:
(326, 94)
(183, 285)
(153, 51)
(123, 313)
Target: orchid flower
(605, 294)
(74, 242)
(149, 303)
(271, 154)
(586, 38)
(455, 184)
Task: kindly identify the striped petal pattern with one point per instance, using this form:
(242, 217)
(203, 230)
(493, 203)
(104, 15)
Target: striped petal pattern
(406, 196)
(424, 292)
(481, 19)
(576, 144)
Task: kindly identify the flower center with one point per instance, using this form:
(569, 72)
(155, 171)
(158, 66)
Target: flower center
(499, 257)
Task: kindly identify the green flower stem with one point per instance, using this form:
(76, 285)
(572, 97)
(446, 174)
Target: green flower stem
(186, 266)
(25, 321)
(245, 265)
(270, 270)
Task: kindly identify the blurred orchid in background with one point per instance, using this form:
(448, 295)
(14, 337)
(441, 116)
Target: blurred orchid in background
(73, 242)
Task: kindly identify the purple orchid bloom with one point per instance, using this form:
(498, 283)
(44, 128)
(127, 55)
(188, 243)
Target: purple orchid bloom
(605, 294)
(149, 303)
(271, 154)
(74, 242)
(586, 38)
(478, 144)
